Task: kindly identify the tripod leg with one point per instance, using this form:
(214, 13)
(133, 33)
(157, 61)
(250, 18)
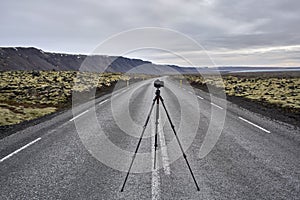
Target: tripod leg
(184, 155)
(156, 131)
(138, 145)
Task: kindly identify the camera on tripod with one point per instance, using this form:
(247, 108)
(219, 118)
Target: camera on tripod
(158, 83)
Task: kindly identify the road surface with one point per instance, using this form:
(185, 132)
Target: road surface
(254, 157)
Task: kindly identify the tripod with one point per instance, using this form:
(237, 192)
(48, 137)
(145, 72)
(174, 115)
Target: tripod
(157, 99)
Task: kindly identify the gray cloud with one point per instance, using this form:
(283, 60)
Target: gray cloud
(223, 27)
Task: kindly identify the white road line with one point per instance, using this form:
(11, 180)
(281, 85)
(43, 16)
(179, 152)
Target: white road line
(184, 88)
(15, 152)
(79, 115)
(155, 188)
(216, 105)
(190, 92)
(199, 97)
(164, 152)
(155, 185)
(254, 125)
(102, 102)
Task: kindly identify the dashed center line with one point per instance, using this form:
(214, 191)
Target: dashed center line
(79, 115)
(164, 152)
(200, 97)
(155, 182)
(155, 185)
(245, 120)
(190, 92)
(216, 105)
(18, 150)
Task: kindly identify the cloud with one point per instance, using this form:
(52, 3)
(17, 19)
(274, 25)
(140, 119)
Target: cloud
(220, 26)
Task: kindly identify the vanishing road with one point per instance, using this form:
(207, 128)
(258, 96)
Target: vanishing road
(84, 154)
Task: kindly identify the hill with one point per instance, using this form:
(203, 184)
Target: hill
(21, 58)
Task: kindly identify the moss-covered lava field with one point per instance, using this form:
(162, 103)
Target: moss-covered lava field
(27, 95)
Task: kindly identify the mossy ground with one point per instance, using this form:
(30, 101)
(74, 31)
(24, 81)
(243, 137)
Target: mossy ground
(27, 95)
(282, 92)
(11, 115)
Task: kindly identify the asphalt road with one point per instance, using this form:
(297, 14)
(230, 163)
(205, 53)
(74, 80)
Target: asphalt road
(82, 156)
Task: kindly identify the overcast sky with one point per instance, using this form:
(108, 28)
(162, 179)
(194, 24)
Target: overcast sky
(234, 32)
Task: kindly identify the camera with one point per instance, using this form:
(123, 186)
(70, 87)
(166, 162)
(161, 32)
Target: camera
(158, 83)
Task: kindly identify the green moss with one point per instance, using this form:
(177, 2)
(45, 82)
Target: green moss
(9, 116)
(280, 92)
(27, 95)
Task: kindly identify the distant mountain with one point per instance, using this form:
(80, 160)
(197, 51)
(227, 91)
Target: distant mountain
(35, 59)
(21, 58)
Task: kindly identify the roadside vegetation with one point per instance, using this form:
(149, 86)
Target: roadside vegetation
(27, 95)
(277, 91)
